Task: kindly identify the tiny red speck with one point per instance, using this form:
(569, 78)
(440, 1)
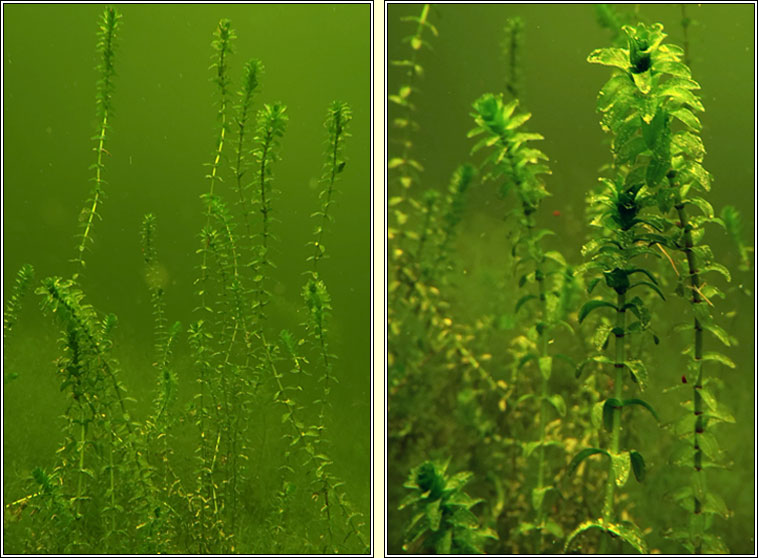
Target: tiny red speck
(556, 213)
(684, 379)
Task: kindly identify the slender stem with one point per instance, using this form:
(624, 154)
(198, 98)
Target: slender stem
(699, 491)
(608, 511)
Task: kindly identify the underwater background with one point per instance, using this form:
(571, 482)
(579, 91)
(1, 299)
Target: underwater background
(465, 60)
(162, 139)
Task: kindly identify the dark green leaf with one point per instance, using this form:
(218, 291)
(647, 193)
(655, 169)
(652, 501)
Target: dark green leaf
(650, 285)
(593, 305)
(641, 403)
(581, 456)
(523, 300)
(638, 465)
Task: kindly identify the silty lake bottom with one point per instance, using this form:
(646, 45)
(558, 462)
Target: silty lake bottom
(571, 279)
(186, 271)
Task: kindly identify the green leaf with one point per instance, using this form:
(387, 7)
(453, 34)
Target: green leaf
(556, 400)
(556, 257)
(657, 169)
(631, 534)
(718, 357)
(681, 95)
(518, 120)
(620, 466)
(589, 524)
(695, 171)
(714, 504)
(434, 515)
(670, 67)
(638, 465)
(642, 403)
(649, 285)
(581, 456)
(651, 131)
(444, 543)
(629, 151)
(644, 82)
(600, 359)
(459, 480)
(717, 410)
(710, 446)
(689, 119)
(712, 544)
(720, 333)
(718, 268)
(525, 527)
(628, 128)
(529, 447)
(688, 143)
(626, 531)
(639, 371)
(552, 528)
(525, 359)
(616, 57)
(546, 366)
(538, 496)
(523, 300)
(591, 305)
(703, 205)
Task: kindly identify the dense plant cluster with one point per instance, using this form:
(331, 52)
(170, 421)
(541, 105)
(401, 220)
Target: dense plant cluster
(121, 483)
(541, 400)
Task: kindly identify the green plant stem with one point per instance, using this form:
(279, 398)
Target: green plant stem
(407, 144)
(699, 488)
(82, 445)
(543, 343)
(100, 149)
(608, 511)
(685, 26)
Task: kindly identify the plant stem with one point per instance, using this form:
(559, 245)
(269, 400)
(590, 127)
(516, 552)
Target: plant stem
(610, 487)
(699, 485)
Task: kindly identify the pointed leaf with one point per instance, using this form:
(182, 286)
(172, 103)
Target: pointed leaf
(620, 465)
(591, 305)
(581, 456)
(638, 465)
(616, 57)
(642, 403)
(546, 366)
(556, 400)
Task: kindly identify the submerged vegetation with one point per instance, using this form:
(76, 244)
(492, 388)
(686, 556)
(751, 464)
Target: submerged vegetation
(122, 482)
(541, 404)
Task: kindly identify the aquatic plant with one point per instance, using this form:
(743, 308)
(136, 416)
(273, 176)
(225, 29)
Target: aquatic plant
(13, 306)
(650, 92)
(121, 482)
(478, 380)
(513, 52)
(519, 167)
(442, 516)
(106, 46)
